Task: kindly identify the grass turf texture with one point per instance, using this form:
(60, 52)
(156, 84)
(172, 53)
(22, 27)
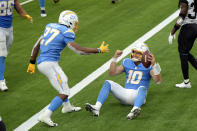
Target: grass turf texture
(119, 24)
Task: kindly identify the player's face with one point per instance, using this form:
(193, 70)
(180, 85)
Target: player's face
(137, 55)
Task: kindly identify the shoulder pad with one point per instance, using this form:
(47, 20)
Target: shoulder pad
(69, 33)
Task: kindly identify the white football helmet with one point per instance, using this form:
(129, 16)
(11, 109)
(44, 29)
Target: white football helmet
(69, 19)
(138, 48)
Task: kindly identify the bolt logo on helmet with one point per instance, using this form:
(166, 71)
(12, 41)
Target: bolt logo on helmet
(138, 48)
(69, 19)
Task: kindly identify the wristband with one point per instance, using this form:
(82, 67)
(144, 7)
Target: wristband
(99, 50)
(156, 69)
(114, 59)
(32, 61)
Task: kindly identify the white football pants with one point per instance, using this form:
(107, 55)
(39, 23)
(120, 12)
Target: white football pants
(56, 76)
(6, 39)
(124, 95)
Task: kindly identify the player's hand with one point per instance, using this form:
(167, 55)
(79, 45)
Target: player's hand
(118, 53)
(151, 58)
(31, 68)
(29, 18)
(104, 48)
(171, 37)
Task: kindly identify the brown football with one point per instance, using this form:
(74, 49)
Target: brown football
(145, 61)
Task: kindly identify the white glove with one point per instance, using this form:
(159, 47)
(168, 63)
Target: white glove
(171, 37)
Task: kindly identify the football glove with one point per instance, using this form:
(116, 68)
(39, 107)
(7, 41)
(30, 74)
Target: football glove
(171, 37)
(29, 18)
(103, 48)
(31, 68)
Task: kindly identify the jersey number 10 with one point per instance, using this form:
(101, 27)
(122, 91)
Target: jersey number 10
(134, 77)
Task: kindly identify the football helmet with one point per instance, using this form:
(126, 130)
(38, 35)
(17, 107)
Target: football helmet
(139, 48)
(69, 19)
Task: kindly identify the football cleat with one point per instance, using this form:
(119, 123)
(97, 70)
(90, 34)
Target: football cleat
(183, 85)
(91, 108)
(47, 120)
(133, 114)
(67, 109)
(3, 86)
(43, 13)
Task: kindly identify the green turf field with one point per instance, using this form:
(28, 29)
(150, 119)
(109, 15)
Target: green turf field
(167, 108)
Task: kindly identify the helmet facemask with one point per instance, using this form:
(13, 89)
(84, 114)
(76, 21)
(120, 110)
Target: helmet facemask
(137, 51)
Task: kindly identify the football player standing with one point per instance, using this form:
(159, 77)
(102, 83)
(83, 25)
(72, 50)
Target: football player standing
(55, 38)
(187, 20)
(136, 84)
(6, 33)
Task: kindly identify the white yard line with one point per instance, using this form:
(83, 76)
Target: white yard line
(94, 75)
(25, 2)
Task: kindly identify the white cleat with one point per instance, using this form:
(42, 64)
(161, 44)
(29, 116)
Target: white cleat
(183, 85)
(67, 109)
(91, 108)
(43, 14)
(3, 86)
(133, 114)
(47, 120)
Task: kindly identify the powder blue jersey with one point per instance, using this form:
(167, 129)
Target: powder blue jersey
(54, 40)
(6, 9)
(136, 75)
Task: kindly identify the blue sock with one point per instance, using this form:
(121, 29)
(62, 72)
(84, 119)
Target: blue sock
(104, 92)
(139, 101)
(2, 67)
(55, 103)
(42, 4)
(66, 100)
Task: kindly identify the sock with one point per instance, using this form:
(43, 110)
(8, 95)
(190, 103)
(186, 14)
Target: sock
(67, 103)
(104, 92)
(186, 81)
(139, 101)
(55, 103)
(98, 105)
(42, 4)
(184, 65)
(2, 126)
(2, 67)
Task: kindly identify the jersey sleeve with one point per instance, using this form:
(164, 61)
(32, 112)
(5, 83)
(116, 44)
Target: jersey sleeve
(69, 36)
(125, 62)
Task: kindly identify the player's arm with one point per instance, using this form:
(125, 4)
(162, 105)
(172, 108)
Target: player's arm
(114, 69)
(156, 69)
(21, 11)
(86, 51)
(34, 54)
(182, 15)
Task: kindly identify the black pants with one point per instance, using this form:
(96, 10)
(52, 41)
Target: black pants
(2, 126)
(187, 36)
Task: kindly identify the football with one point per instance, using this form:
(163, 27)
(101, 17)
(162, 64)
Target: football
(145, 61)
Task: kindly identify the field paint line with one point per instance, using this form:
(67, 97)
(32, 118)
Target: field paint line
(98, 72)
(25, 2)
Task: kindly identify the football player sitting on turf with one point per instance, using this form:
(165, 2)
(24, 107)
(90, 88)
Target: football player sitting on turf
(136, 84)
(55, 38)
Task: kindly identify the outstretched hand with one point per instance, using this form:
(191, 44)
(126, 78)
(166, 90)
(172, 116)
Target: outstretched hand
(104, 48)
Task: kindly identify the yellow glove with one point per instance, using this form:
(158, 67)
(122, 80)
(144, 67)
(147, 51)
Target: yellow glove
(104, 48)
(29, 18)
(31, 68)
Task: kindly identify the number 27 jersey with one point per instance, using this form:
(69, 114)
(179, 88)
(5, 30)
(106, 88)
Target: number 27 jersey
(54, 40)
(136, 75)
